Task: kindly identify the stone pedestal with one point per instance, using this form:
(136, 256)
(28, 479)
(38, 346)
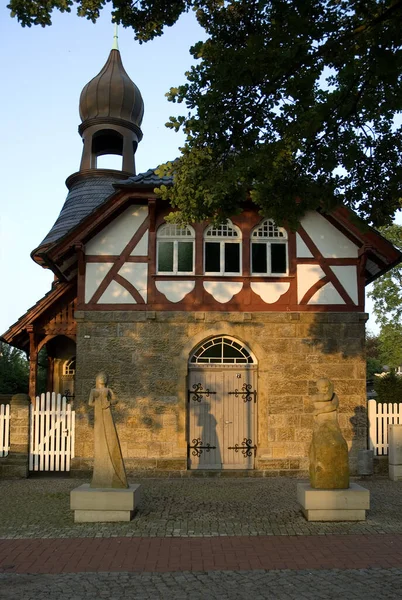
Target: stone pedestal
(333, 505)
(395, 452)
(395, 472)
(92, 505)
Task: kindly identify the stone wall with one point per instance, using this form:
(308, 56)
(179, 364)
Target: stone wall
(145, 355)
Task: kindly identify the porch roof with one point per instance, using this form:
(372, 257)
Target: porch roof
(17, 335)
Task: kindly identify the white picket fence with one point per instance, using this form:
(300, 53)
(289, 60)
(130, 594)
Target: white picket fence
(52, 434)
(380, 415)
(4, 429)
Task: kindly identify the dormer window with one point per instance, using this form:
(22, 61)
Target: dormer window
(175, 250)
(222, 246)
(269, 249)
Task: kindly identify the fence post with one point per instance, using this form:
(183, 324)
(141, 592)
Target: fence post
(372, 425)
(15, 465)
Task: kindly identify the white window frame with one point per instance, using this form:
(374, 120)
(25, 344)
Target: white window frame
(68, 372)
(176, 239)
(222, 240)
(260, 236)
(245, 358)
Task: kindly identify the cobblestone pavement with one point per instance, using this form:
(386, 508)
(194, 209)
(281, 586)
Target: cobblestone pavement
(190, 507)
(354, 584)
(35, 509)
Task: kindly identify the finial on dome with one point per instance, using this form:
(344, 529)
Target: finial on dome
(115, 45)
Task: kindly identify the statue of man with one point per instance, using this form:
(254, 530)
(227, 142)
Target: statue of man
(109, 471)
(329, 463)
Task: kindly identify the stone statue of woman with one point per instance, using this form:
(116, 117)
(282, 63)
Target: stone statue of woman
(329, 464)
(109, 471)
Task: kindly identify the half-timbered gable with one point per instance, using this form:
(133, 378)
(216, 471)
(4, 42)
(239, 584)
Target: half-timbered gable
(212, 335)
(138, 261)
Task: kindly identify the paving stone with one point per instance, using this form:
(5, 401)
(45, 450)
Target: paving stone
(190, 507)
(205, 508)
(364, 584)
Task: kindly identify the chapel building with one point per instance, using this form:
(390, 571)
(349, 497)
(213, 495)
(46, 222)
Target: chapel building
(212, 337)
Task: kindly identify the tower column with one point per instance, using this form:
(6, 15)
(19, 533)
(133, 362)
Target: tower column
(86, 160)
(128, 155)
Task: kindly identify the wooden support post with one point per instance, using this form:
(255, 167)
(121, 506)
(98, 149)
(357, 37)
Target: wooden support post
(50, 374)
(79, 248)
(33, 364)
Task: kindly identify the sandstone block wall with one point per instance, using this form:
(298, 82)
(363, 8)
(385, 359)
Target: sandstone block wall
(146, 353)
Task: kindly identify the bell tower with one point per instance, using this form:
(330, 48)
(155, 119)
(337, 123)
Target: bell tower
(111, 111)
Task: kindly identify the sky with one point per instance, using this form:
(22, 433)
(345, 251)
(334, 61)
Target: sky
(43, 71)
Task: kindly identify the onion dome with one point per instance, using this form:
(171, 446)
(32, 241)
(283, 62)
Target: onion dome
(112, 95)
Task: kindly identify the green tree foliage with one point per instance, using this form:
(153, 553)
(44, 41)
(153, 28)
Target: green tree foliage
(387, 299)
(291, 102)
(14, 370)
(388, 388)
(373, 361)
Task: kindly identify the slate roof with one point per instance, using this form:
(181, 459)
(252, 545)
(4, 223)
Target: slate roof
(82, 199)
(147, 179)
(88, 194)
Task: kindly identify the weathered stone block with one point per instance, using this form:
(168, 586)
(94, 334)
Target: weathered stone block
(99, 505)
(395, 444)
(284, 404)
(333, 505)
(395, 472)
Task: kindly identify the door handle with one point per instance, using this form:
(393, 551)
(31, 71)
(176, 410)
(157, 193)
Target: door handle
(227, 422)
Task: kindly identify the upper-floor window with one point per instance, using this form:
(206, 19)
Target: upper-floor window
(222, 246)
(269, 249)
(175, 249)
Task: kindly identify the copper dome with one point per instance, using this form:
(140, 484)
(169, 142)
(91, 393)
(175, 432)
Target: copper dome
(112, 94)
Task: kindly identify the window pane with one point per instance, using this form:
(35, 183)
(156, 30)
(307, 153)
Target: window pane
(230, 352)
(185, 256)
(259, 258)
(212, 352)
(165, 257)
(278, 258)
(212, 257)
(232, 258)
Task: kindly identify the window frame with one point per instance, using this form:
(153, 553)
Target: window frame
(268, 241)
(222, 240)
(176, 241)
(67, 370)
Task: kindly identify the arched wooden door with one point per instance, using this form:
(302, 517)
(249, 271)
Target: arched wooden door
(222, 397)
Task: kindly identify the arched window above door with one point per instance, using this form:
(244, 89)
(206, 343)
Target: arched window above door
(221, 350)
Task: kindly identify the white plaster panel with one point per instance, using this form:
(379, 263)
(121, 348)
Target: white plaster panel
(223, 291)
(94, 275)
(137, 275)
(328, 239)
(307, 275)
(115, 236)
(116, 294)
(301, 249)
(270, 292)
(347, 276)
(175, 290)
(326, 295)
(141, 248)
